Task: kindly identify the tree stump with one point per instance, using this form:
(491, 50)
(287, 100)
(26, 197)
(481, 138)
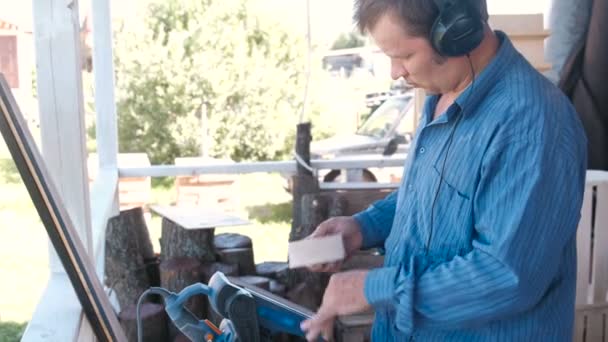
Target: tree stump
(128, 256)
(177, 241)
(178, 273)
(231, 240)
(153, 320)
(243, 257)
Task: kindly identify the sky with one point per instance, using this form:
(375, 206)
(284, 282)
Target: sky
(328, 18)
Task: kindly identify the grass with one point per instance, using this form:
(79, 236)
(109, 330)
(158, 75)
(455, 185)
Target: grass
(11, 332)
(24, 245)
(261, 199)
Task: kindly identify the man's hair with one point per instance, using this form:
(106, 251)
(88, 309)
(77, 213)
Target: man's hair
(418, 16)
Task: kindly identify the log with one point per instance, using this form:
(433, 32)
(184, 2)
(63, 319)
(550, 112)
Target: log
(211, 268)
(277, 288)
(354, 328)
(152, 268)
(177, 241)
(304, 182)
(177, 273)
(128, 255)
(181, 338)
(231, 240)
(310, 293)
(153, 320)
(243, 257)
(271, 269)
(304, 294)
(261, 282)
(356, 200)
(363, 260)
(314, 211)
(338, 206)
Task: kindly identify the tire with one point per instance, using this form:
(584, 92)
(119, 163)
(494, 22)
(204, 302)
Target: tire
(333, 175)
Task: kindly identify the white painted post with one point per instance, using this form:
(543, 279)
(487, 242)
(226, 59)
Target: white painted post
(58, 66)
(583, 248)
(599, 281)
(103, 68)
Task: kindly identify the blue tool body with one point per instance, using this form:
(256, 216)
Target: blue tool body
(251, 314)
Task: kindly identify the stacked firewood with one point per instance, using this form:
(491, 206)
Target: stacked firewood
(187, 256)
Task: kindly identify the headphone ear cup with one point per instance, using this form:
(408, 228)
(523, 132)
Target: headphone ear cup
(457, 30)
(437, 34)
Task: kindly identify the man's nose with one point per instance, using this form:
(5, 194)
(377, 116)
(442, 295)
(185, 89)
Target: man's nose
(398, 71)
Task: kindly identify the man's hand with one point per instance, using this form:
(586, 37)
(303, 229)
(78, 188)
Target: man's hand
(343, 296)
(350, 230)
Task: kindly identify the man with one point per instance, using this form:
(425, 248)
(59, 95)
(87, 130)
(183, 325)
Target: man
(480, 237)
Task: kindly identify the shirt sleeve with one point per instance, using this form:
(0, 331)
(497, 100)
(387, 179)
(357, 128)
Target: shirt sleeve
(377, 220)
(527, 206)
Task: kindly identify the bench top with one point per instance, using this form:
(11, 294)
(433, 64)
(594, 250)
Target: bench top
(197, 218)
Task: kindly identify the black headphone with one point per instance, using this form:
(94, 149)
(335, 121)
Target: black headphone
(458, 28)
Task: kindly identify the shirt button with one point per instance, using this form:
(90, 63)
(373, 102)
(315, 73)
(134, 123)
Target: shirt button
(410, 187)
(421, 150)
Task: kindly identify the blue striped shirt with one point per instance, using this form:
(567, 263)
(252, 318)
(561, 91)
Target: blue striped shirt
(501, 262)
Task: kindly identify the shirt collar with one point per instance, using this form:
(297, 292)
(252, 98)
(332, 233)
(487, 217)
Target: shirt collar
(470, 98)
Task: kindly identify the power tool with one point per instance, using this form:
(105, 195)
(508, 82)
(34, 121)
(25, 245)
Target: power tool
(250, 314)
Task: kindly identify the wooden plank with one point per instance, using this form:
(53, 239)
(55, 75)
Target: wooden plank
(596, 327)
(599, 281)
(56, 220)
(357, 186)
(517, 24)
(197, 218)
(596, 177)
(579, 326)
(315, 251)
(583, 248)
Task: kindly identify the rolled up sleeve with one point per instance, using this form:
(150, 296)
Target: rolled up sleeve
(377, 220)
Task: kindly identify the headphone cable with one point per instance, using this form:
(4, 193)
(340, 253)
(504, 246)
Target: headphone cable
(445, 158)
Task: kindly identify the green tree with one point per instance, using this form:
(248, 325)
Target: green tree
(191, 57)
(348, 40)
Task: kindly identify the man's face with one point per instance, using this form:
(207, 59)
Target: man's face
(412, 58)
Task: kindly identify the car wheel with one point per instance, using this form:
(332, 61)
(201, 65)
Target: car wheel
(333, 175)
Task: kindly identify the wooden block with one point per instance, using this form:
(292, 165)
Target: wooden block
(271, 269)
(197, 218)
(243, 257)
(309, 252)
(231, 240)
